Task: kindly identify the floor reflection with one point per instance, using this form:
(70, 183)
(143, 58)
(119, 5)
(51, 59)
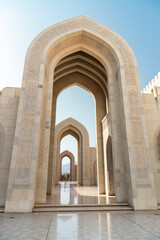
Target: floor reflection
(128, 225)
(63, 225)
(70, 193)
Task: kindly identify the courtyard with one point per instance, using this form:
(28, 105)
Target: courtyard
(79, 120)
(129, 225)
(71, 193)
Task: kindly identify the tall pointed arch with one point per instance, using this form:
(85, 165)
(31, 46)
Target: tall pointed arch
(36, 120)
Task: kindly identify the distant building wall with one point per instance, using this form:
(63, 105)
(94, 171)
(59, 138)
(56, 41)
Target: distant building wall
(9, 101)
(93, 162)
(75, 173)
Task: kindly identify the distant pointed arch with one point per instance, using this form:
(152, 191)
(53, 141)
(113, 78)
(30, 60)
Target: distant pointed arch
(70, 155)
(78, 131)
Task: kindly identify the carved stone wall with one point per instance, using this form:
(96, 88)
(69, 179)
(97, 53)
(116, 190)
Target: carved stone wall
(152, 133)
(9, 101)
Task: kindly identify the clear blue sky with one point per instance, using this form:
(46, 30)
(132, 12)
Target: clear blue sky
(137, 21)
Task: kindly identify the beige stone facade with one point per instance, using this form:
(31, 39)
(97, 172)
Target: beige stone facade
(82, 52)
(9, 101)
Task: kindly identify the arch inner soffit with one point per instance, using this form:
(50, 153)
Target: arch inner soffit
(75, 63)
(71, 132)
(66, 153)
(80, 80)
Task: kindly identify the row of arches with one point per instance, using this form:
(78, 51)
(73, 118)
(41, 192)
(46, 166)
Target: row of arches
(77, 130)
(73, 169)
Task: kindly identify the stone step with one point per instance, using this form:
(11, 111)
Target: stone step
(76, 208)
(1, 209)
(79, 205)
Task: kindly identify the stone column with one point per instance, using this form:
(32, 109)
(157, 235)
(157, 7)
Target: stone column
(100, 166)
(117, 145)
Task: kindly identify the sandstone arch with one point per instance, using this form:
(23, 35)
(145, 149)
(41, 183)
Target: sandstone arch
(68, 154)
(36, 115)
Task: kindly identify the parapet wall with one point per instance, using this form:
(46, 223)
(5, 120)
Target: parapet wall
(153, 87)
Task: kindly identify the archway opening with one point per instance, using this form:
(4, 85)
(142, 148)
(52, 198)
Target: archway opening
(80, 91)
(68, 158)
(85, 71)
(66, 169)
(78, 103)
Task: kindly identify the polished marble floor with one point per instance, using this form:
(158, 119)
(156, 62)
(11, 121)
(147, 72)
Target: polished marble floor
(129, 225)
(72, 193)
